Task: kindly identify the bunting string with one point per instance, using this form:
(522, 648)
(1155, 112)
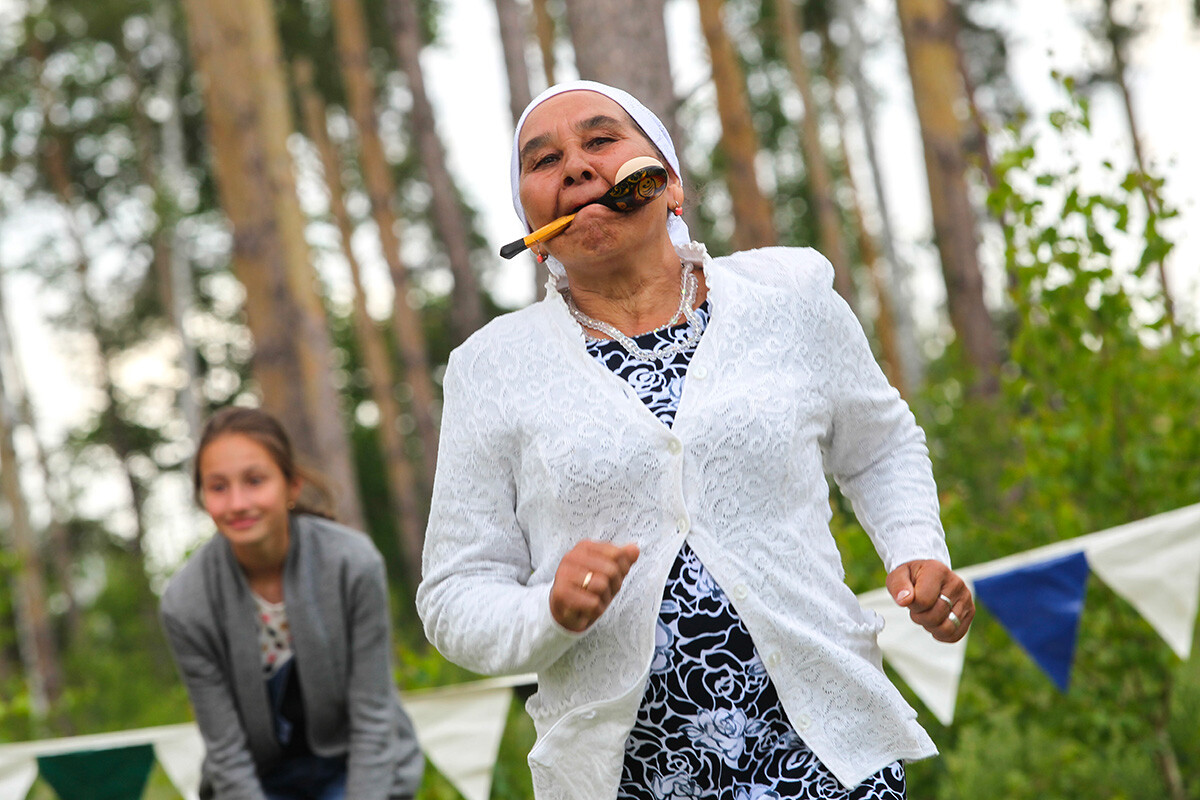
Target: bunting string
(1037, 595)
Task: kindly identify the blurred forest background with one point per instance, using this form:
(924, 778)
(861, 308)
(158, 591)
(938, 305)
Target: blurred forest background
(247, 201)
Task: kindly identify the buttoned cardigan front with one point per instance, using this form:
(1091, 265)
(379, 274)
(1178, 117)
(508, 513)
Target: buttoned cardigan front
(542, 446)
(337, 605)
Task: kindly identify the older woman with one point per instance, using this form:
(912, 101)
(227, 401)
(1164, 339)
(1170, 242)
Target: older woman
(631, 499)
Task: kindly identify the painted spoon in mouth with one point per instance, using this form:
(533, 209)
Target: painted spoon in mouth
(639, 180)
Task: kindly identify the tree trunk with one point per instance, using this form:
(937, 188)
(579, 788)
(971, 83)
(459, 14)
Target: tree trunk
(544, 29)
(513, 32)
(885, 318)
(1153, 204)
(899, 277)
(466, 310)
(351, 31)
(928, 28)
(175, 267)
(402, 483)
(753, 226)
(820, 178)
(236, 48)
(624, 43)
(56, 533)
(58, 176)
(35, 640)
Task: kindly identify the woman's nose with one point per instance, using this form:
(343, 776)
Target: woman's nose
(577, 168)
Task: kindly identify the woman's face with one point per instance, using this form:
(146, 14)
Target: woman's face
(245, 492)
(571, 147)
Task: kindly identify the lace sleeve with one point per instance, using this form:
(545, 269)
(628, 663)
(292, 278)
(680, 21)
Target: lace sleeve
(476, 600)
(875, 449)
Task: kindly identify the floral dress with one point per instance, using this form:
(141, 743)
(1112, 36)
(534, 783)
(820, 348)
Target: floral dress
(710, 724)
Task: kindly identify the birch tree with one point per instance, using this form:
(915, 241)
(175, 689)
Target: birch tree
(753, 226)
(35, 640)
(624, 43)
(351, 33)
(928, 28)
(819, 174)
(236, 49)
(403, 491)
(466, 311)
(514, 30)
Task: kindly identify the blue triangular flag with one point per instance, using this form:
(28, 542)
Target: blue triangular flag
(1040, 606)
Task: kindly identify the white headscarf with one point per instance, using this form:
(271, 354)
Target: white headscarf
(646, 120)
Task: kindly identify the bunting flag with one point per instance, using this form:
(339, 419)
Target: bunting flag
(458, 727)
(930, 667)
(1040, 605)
(1037, 595)
(1153, 563)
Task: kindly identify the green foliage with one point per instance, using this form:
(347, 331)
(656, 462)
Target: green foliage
(1096, 425)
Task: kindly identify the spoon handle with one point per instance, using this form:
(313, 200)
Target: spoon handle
(548, 231)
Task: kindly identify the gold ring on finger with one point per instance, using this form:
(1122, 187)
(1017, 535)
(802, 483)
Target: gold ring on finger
(586, 579)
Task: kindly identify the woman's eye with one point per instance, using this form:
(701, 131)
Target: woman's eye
(544, 160)
(600, 141)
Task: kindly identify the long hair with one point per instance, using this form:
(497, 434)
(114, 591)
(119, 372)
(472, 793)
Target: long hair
(262, 427)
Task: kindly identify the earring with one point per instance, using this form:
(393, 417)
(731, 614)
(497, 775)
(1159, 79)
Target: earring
(677, 210)
(541, 255)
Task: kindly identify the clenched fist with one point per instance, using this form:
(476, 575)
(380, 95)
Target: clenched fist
(586, 581)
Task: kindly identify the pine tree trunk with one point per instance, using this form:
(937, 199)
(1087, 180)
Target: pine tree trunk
(60, 547)
(176, 269)
(403, 491)
(351, 32)
(466, 310)
(885, 318)
(35, 640)
(57, 174)
(236, 48)
(1120, 75)
(753, 225)
(624, 43)
(928, 28)
(899, 277)
(544, 27)
(820, 178)
(513, 32)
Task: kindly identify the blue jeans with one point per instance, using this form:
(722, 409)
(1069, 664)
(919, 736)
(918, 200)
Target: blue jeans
(307, 778)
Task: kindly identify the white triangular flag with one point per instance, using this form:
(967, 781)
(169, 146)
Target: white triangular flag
(932, 669)
(459, 729)
(18, 771)
(181, 753)
(1155, 565)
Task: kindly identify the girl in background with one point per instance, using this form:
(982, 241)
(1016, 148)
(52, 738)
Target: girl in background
(281, 631)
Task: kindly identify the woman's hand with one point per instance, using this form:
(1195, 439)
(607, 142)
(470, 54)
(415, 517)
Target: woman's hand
(587, 579)
(935, 598)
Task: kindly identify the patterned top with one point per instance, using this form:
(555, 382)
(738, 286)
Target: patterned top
(711, 724)
(274, 636)
(542, 445)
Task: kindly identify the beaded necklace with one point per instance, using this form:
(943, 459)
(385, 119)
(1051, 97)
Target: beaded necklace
(688, 284)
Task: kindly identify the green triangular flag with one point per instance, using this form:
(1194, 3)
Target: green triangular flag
(117, 774)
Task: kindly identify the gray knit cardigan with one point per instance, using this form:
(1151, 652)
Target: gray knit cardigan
(337, 606)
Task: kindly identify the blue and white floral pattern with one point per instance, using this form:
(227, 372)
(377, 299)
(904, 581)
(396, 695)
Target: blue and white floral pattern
(711, 725)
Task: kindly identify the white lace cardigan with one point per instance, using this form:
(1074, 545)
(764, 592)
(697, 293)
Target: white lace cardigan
(542, 446)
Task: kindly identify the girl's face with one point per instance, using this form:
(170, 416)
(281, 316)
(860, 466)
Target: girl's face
(245, 492)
